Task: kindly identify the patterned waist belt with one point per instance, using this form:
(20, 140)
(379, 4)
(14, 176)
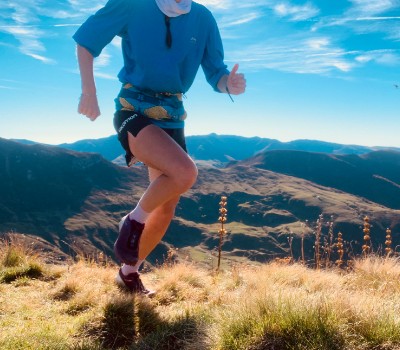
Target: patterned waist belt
(155, 105)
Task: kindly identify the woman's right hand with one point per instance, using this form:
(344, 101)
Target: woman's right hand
(89, 106)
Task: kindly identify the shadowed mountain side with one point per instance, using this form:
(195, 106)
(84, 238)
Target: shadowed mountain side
(109, 147)
(375, 176)
(45, 189)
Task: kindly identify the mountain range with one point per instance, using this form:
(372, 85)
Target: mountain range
(224, 148)
(69, 201)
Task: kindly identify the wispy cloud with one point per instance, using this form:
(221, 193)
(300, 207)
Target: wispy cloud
(23, 20)
(103, 60)
(233, 21)
(315, 55)
(116, 42)
(372, 7)
(295, 12)
(385, 57)
(68, 25)
(23, 15)
(216, 4)
(29, 39)
(41, 58)
(10, 84)
(312, 55)
(394, 33)
(7, 87)
(367, 16)
(231, 14)
(84, 7)
(102, 75)
(389, 18)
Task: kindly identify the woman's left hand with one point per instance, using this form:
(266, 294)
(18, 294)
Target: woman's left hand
(236, 83)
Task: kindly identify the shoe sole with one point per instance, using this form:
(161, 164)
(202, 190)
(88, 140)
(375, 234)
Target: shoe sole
(120, 283)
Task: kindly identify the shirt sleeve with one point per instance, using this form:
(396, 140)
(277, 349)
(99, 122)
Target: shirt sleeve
(99, 29)
(213, 59)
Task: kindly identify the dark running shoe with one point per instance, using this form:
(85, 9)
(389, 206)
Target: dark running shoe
(133, 283)
(126, 247)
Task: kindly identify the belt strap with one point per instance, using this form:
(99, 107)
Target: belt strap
(143, 97)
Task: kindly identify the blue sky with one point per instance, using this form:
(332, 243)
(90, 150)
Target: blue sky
(318, 69)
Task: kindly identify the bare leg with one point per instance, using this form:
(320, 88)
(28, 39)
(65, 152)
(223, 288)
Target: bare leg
(177, 170)
(157, 223)
(171, 172)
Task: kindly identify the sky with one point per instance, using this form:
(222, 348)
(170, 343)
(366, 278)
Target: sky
(324, 70)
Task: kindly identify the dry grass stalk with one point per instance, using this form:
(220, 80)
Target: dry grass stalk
(388, 242)
(366, 248)
(340, 250)
(303, 259)
(222, 231)
(329, 244)
(290, 242)
(318, 233)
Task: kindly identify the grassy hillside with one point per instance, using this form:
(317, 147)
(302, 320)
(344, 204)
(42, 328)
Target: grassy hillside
(254, 307)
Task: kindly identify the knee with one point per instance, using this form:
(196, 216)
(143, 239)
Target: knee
(186, 176)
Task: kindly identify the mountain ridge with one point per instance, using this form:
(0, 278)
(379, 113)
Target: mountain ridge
(224, 148)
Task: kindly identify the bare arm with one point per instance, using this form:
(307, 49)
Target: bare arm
(233, 83)
(88, 104)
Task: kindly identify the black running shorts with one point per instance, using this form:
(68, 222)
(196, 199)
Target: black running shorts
(133, 122)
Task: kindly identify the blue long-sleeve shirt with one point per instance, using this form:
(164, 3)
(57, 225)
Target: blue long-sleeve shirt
(148, 62)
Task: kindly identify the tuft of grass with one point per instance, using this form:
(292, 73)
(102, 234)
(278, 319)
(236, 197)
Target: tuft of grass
(18, 262)
(77, 298)
(176, 280)
(15, 252)
(67, 291)
(13, 256)
(78, 306)
(29, 270)
(119, 327)
(272, 324)
(376, 273)
(185, 332)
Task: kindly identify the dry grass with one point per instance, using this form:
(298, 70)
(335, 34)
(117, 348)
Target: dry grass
(292, 307)
(272, 306)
